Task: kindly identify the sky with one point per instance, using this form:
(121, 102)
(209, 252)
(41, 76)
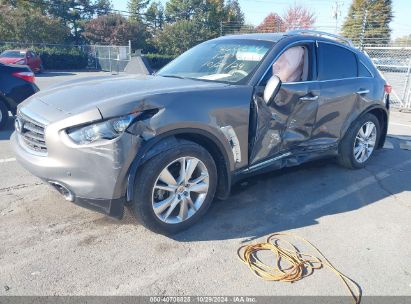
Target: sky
(256, 10)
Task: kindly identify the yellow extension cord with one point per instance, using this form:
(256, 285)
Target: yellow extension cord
(301, 264)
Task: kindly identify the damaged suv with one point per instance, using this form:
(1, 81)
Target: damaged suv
(168, 144)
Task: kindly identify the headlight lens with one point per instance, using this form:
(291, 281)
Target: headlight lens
(100, 131)
(22, 61)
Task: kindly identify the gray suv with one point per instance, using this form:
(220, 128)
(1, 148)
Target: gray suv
(168, 144)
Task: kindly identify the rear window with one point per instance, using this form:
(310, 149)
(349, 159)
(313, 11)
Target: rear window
(363, 71)
(335, 62)
(13, 54)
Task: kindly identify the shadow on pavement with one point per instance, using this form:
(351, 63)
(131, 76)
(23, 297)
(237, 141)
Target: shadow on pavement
(5, 133)
(54, 74)
(299, 196)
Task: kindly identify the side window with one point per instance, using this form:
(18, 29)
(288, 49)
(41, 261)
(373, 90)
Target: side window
(363, 71)
(293, 65)
(335, 62)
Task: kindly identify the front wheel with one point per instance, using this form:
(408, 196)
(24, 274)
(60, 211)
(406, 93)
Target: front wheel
(360, 142)
(175, 188)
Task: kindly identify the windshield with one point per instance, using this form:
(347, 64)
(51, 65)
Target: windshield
(219, 60)
(13, 54)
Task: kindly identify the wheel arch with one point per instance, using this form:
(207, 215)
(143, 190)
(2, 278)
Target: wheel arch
(381, 114)
(174, 138)
(4, 100)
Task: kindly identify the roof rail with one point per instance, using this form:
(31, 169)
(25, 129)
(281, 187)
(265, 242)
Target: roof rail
(321, 34)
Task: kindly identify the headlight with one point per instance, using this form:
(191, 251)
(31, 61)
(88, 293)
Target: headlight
(105, 130)
(22, 61)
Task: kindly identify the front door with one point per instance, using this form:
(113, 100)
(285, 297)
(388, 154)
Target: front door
(285, 125)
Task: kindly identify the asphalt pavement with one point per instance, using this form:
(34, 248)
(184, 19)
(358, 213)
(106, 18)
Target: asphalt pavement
(360, 219)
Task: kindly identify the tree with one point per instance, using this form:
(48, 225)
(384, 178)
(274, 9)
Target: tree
(178, 37)
(273, 23)
(75, 13)
(136, 9)
(30, 25)
(234, 17)
(116, 30)
(298, 17)
(377, 15)
(155, 16)
(177, 10)
(234, 12)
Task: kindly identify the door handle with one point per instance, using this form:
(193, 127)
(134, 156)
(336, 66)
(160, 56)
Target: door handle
(309, 98)
(361, 92)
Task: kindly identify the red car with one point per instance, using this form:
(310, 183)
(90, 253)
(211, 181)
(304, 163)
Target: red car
(23, 57)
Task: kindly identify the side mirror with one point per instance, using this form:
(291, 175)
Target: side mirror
(271, 89)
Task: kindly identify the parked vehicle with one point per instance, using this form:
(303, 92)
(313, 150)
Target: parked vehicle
(17, 84)
(22, 57)
(168, 144)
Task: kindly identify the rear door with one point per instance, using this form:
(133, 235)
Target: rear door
(341, 88)
(286, 123)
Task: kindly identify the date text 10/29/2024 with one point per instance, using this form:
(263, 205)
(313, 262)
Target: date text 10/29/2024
(202, 299)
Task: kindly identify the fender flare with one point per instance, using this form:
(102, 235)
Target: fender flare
(172, 139)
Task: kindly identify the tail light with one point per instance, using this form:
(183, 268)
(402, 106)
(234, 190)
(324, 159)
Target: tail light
(27, 76)
(387, 88)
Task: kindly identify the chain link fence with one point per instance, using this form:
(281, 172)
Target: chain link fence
(110, 58)
(395, 65)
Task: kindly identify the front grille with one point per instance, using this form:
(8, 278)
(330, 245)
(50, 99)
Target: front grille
(32, 134)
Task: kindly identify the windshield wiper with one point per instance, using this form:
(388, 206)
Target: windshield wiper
(173, 76)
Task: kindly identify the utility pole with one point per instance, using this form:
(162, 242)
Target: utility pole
(364, 24)
(336, 12)
(221, 28)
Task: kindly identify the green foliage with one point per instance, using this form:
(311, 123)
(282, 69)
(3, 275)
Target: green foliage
(23, 25)
(136, 9)
(155, 16)
(115, 29)
(63, 59)
(379, 15)
(69, 22)
(75, 13)
(157, 61)
(178, 37)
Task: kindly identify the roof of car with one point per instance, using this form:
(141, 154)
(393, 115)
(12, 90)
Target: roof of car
(274, 37)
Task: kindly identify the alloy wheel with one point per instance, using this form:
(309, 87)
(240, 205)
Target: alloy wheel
(180, 190)
(365, 141)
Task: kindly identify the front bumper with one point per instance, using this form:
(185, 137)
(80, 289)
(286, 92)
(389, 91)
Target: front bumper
(94, 177)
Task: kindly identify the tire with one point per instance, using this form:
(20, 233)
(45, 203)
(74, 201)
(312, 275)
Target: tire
(4, 115)
(349, 148)
(146, 193)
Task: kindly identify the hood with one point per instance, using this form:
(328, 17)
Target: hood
(111, 93)
(10, 60)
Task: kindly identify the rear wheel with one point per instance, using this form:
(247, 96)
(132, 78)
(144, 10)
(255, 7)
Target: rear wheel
(4, 115)
(360, 142)
(175, 188)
